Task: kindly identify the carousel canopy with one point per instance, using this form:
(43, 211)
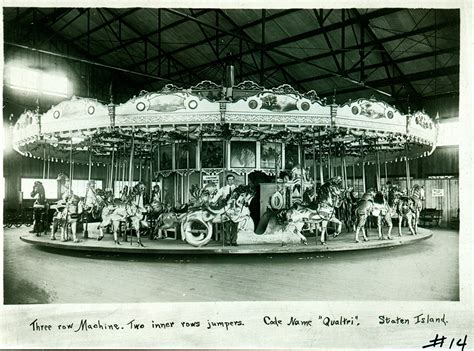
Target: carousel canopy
(360, 129)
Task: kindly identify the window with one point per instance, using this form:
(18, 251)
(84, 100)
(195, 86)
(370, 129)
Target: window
(38, 81)
(450, 133)
(79, 187)
(50, 187)
(118, 186)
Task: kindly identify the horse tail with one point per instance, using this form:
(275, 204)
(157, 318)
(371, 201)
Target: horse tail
(263, 223)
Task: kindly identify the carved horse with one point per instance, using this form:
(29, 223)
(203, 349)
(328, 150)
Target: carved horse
(322, 211)
(68, 212)
(40, 209)
(409, 208)
(170, 217)
(346, 212)
(115, 213)
(235, 209)
(94, 202)
(376, 204)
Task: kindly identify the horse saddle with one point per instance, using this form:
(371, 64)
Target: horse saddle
(325, 211)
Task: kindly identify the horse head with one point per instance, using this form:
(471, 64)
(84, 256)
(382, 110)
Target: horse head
(37, 189)
(331, 192)
(242, 195)
(393, 196)
(139, 188)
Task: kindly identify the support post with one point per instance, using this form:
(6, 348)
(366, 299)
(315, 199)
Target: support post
(378, 173)
(44, 161)
(71, 166)
(363, 176)
(111, 179)
(90, 163)
(130, 169)
(407, 167)
(314, 165)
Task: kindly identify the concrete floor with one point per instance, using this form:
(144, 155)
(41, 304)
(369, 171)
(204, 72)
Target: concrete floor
(424, 271)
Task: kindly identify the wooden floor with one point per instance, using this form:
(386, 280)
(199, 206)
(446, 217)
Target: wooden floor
(427, 270)
(344, 242)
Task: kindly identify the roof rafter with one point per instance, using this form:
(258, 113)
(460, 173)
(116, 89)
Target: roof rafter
(171, 58)
(147, 36)
(358, 46)
(354, 69)
(243, 27)
(386, 55)
(305, 35)
(103, 25)
(441, 72)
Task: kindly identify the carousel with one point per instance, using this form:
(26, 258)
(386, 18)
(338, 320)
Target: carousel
(215, 169)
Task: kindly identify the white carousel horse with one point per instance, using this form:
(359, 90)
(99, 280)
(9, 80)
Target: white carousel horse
(68, 212)
(235, 209)
(200, 212)
(376, 204)
(169, 217)
(409, 208)
(320, 212)
(115, 213)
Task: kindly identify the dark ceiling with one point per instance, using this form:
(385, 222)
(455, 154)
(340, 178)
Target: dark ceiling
(408, 57)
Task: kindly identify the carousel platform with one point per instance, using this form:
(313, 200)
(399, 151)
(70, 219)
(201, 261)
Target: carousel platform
(344, 242)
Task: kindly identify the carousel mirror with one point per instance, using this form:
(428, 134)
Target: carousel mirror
(270, 155)
(212, 154)
(291, 156)
(166, 157)
(182, 152)
(243, 154)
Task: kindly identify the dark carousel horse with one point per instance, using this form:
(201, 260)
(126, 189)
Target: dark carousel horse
(409, 208)
(377, 204)
(40, 209)
(346, 212)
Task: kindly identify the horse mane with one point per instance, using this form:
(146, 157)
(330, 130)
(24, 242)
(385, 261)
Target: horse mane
(324, 191)
(392, 195)
(243, 189)
(379, 198)
(38, 188)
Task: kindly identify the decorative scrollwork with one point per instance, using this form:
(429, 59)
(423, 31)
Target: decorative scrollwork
(423, 120)
(165, 173)
(206, 85)
(212, 171)
(285, 89)
(249, 85)
(312, 96)
(171, 88)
